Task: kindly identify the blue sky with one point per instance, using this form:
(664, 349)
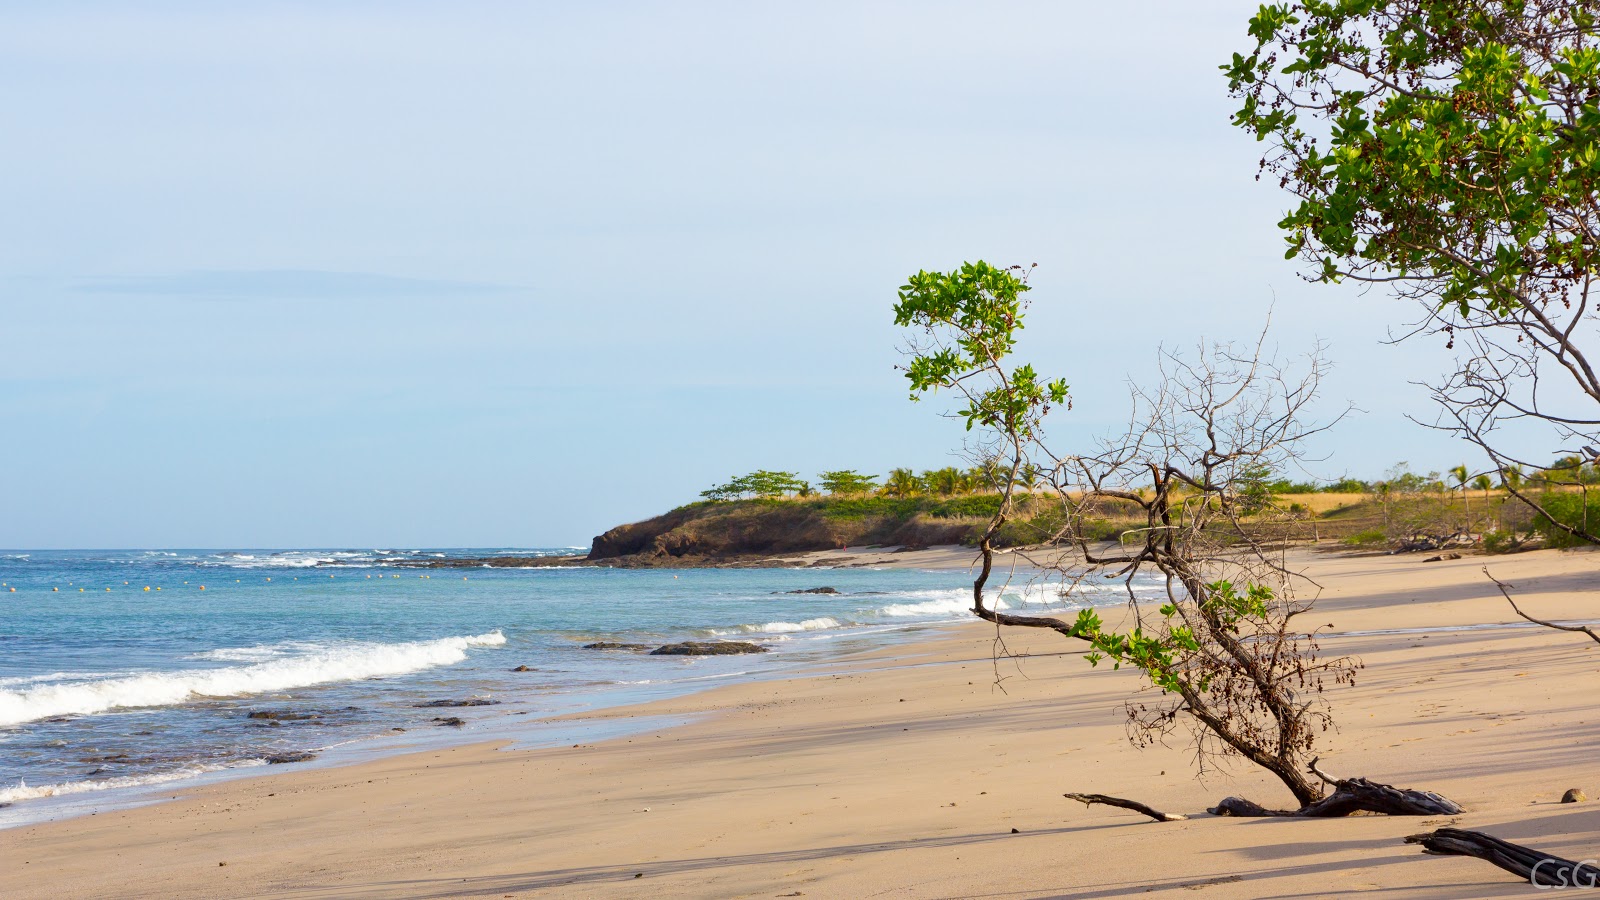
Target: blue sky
(482, 274)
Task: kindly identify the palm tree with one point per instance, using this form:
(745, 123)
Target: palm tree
(1510, 480)
(1483, 483)
(944, 482)
(1511, 477)
(901, 483)
(1460, 473)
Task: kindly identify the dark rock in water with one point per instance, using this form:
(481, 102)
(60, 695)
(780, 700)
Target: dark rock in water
(614, 645)
(820, 590)
(440, 704)
(708, 648)
(453, 722)
(96, 771)
(281, 715)
(1574, 795)
(522, 669)
(278, 759)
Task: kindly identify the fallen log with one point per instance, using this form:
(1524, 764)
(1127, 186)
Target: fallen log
(1537, 868)
(1134, 805)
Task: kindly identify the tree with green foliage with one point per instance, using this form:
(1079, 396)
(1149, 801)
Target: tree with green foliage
(945, 482)
(760, 483)
(847, 483)
(1225, 648)
(1450, 150)
(1460, 474)
(902, 483)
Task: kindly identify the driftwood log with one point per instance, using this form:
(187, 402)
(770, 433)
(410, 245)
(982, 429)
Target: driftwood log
(1134, 805)
(1536, 868)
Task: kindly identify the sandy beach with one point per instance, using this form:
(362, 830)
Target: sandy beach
(913, 773)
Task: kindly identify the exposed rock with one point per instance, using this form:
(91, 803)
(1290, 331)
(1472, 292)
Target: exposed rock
(281, 715)
(453, 722)
(1574, 795)
(614, 645)
(522, 669)
(277, 759)
(441, 704)
(819, 590)
(708, 648)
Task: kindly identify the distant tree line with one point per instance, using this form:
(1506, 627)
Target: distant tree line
(1256, 485)
(900, 483)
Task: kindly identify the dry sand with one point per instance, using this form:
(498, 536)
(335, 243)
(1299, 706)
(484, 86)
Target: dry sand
(903, 776)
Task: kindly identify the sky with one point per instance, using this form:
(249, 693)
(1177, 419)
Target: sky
(507, 274)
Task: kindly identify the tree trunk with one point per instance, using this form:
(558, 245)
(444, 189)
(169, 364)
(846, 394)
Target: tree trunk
(1349, 796)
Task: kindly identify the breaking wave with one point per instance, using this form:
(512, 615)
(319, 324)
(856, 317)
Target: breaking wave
(344, 662)
(23, 792)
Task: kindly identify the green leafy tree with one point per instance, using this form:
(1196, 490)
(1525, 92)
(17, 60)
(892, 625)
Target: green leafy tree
(1226, 652)
(847, 482)
(760, 483)
(1450, 150)
(1256, 487)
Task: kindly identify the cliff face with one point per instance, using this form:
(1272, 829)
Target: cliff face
(715, 532)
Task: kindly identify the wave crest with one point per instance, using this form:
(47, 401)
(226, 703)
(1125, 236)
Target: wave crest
(347, 662)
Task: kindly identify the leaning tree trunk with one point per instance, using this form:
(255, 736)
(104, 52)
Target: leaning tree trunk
(1537, 868)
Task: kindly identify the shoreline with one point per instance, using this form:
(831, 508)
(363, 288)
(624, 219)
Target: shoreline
(901, 770)
(75, 799)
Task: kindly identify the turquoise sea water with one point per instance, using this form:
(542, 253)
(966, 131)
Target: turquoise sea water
(122, 670)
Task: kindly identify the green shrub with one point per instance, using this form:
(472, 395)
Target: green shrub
(1568, 509)
(1502, 541)
(1368, 537)
(864, 507)
(972, 506)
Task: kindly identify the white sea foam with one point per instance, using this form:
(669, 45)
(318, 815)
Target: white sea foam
(22, 791)
(958, 602)
(816, 624)
(347, 662)
(943, 606)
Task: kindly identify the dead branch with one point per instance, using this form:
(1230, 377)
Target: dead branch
(1535, 867)
(1505, 591)
(1136, 806)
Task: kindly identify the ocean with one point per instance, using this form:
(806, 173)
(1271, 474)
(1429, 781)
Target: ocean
(126, 675)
